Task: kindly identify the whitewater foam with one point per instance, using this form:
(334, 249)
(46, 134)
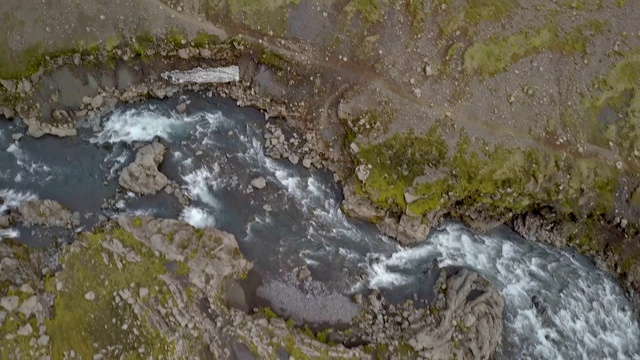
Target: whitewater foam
(197, 217)
(138, 125)
(9, 234)
(586, 317)
(199, 181)
(12, 199)
(22, 159)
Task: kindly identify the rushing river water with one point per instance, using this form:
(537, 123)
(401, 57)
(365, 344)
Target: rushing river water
(296, 220)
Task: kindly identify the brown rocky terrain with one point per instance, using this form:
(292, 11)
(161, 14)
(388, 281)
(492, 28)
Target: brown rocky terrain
(488, 112)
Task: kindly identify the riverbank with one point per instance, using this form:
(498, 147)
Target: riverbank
(544, 175)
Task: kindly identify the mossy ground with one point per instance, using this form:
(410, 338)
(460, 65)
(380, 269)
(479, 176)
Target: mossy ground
(499, 181)
(496, 54)
(88, 326)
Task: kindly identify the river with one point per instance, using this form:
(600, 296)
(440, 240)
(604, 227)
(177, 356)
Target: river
(216, 150)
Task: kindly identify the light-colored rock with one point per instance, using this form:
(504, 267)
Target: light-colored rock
(306, 162)
(259, 183)
(143, 292)
(97, 101)
(16, 136)
(410, 198)
(294, 159)
(25, 330)
(183, 53)
(354, 148)
(27, 289)
(9, 303)
(46, 213)
(481, 314)
(363, 172)
(411, 230)
(181, 108)
(304, 274)
(90, 296)
(87, 100)
(29, 306)
(142, 176)
(43, 340)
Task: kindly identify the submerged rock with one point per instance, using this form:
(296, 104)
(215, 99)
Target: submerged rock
(142, 176)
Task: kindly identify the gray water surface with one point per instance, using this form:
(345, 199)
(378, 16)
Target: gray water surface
(589, 315)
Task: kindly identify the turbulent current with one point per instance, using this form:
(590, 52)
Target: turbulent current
(216, 150)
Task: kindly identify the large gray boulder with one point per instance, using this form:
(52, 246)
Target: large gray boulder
(142, 176)
(472, 315)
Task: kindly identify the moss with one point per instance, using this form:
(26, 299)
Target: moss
(482, 10)
(176, 38)
(181, 269)
(137, 222)
(418, 15)
(496, 54)
(9, 348)
(79, 324)
(268, 313)
(17, 65)
(370, 10)
(274, 60)
(292, 349)
(397, 161)
(266, 16)
(204, 39)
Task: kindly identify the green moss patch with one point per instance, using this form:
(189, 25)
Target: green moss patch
(87, 326)
(496, 54)
(370, 10)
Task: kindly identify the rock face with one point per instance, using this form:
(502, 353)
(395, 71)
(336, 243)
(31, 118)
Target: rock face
(472, 314)
(463, 322)
(358, 206)
(46, 213)
(142, 176)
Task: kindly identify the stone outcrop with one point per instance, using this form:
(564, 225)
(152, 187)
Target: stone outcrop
(46, 213)
(142, 176)
(464, 321)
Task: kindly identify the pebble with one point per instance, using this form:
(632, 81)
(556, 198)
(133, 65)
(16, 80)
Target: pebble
(90, 296)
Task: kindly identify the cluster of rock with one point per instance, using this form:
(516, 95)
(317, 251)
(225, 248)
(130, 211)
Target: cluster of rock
(464, 322)
(405, 228)
(142, 175)
(297, 150)
(46, 213)
(24, 306)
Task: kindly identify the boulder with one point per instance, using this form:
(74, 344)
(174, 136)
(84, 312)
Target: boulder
(25, 330)
(411, 230)
(362, 172)
(97, 101)
(181, 108)
(473, 309)
(9, 303)
(410, 198)
(259, 183)
(304, 274)
(30, 306)
(142, 176)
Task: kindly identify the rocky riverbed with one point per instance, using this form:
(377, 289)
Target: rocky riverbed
(220, 232)
(199, 165)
